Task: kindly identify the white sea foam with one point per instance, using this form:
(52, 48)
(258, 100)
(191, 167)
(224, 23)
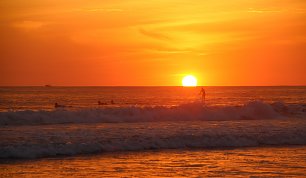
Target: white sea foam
(185, 112)
(74, 139)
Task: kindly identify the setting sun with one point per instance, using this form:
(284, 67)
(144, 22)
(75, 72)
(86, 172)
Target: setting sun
(189, 81)
(214, 78)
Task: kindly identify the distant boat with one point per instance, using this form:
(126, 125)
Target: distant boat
(48, 86)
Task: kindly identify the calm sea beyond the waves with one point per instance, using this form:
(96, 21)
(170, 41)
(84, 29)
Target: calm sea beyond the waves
(152, 131)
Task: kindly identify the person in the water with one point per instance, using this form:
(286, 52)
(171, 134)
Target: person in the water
(203, 93)
(101, 103)
(56, 105)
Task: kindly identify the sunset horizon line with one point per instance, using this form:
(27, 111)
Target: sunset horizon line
(152, 86)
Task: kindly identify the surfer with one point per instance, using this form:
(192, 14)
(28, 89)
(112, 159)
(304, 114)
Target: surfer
(56, 105)
(203, 93)
(100, 103)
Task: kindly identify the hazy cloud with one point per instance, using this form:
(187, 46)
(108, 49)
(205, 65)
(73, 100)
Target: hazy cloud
(28, 24)
(263, 10)
(154, 35)
(102, 10)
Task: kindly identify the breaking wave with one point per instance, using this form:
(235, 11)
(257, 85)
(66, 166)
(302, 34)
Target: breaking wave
(56, 140)
(143, 143)
(135, 129)
(191, 111)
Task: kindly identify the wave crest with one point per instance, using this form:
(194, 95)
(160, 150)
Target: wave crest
(184, 112)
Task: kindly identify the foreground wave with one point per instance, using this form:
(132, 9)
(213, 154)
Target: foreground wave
(185, 112)
(254, 124)
(75, 139)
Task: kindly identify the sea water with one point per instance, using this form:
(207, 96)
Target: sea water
(44, 98)
(240, 162)
(247, 121)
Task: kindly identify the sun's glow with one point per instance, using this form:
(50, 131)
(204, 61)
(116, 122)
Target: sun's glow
(189, 81)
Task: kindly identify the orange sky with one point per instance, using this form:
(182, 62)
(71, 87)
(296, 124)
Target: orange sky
(157, 42)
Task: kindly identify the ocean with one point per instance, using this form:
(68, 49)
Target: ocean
(152, 131)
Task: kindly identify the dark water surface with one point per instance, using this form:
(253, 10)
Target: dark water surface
(246, 162)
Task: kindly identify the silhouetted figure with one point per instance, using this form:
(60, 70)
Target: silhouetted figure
(203, 93)
(100, 103)
(56, 105)
(112, 102)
